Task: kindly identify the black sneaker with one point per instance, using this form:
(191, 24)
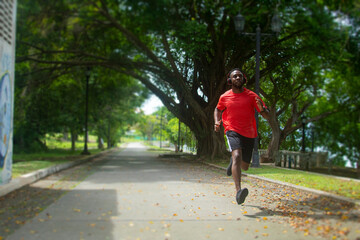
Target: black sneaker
(241, 195)
(228, 170)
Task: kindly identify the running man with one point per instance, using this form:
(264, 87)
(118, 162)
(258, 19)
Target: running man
(236, 110)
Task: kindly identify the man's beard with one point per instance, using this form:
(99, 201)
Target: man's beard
(238, 85)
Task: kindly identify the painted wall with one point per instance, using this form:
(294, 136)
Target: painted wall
(7, 77)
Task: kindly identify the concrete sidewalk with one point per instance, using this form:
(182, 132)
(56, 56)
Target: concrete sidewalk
(132, 194)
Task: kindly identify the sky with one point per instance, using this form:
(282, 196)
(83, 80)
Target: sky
(151, 105)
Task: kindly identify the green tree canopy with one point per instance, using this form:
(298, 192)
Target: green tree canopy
(181, 51)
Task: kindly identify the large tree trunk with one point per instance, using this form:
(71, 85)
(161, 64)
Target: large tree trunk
(65, 134)
(210, 143)
(108, 137)
(270, 155)
(100, 143)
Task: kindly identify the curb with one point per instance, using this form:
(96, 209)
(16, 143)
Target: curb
(32, 177)
(356, 203)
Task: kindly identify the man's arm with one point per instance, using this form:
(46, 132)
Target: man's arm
(263, 111)
(217, 119)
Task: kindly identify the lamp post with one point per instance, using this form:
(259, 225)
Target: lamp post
(160, 128)
(239, 22)
(179, 131)
(164, 124)
(303, 133)
(157, 117)
(85, 151)
(312, 138)
(303, 148)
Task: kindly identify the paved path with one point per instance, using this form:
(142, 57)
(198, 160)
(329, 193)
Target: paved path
(131, 194)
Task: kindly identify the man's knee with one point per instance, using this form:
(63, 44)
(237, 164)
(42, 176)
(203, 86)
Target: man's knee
(245, 166)
(236, 157)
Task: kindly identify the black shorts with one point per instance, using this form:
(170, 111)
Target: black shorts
(236, 141)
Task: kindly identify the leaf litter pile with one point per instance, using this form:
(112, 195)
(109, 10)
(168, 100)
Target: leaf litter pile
(310, 214)
(305, 212)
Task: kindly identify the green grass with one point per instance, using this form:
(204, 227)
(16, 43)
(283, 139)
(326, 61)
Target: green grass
(55, 144)
(21, 168)
(26, 163)
(347, 188)
(58, 152)
(50, 154)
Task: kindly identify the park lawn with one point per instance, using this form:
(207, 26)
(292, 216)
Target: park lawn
(55, 144)
(29, 162)
(21, 168)
(346, 188)
(49, 154)
(58, 152)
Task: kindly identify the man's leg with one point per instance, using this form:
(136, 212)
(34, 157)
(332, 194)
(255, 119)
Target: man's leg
(228, 169)
(244, 165)
(236, 167)
(236, 144)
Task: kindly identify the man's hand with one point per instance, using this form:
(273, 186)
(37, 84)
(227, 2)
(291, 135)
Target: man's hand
(263, 111)
(260, 105)
(217, 126)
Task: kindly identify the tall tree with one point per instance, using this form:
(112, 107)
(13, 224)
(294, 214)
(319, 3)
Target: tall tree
(339, 133)
(181, 50)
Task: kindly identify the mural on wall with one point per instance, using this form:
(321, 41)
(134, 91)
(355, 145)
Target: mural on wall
(5, 126)
(7, 61)
(5, 116)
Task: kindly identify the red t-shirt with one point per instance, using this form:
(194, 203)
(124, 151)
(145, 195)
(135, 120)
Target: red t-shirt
(239, 112)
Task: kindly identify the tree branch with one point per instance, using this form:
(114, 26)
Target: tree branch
(289, 130)
(170, 57)
(128, 34)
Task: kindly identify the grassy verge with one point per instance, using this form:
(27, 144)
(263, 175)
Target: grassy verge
(347, 188)
(28, 162)
(59, 151)
(22, 168)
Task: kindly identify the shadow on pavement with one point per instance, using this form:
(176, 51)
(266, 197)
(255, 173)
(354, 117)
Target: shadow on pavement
(76, 214)
(51, 207)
